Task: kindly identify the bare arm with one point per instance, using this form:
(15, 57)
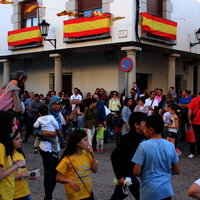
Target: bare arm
(137, 170)
(175, 168)
(189, 116)
(194, 191)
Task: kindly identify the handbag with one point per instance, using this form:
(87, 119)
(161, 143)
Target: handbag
(91, 193)
(190, 135)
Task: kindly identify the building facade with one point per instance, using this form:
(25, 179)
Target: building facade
(88, 58)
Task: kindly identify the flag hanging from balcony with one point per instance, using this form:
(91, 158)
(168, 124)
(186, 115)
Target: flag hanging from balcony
(87, 26)
(24, 36)
(70, 13)
(6, 2)
(32, 7)
(159, 26)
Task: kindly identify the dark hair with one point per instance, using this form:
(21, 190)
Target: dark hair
(6, 124)
(114, 91)
(19, 149)
(74, 139)
(160, 89)
(141, 99)
(151, 92)
(43, 110)
(17, 75)
(155, 122)
(36, 95)
(172, 88)
(89, 101)
(136, 117)
(175, 108)
(126, 100)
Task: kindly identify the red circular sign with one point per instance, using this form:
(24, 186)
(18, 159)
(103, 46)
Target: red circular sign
(126, 64)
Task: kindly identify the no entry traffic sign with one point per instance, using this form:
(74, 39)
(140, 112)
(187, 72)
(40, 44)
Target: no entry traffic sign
(126, 64)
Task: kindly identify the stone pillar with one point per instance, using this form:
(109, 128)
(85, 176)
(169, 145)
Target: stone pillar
(198, 76)
(172, 70)
(58, 72)
(6, 71)
(131, 53)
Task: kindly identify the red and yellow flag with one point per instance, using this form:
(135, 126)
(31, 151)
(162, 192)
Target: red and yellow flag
(32, 7)
(70, 13)
(24, 36)
(159, 26)
(6, 2)
(87, 26)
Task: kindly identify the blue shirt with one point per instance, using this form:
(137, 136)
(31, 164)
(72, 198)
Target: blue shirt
(155, 156)
(184, 101)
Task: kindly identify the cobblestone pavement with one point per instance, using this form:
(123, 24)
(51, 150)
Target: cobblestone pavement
(102, 181)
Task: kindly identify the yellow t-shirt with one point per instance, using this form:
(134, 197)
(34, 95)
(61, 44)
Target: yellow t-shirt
(8, 183)
(82, 165)
(21, 187)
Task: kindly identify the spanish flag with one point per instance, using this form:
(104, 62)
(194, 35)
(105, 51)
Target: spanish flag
(159, 26)
(6, 2)
(32, 7)
(70, 13)
(24, 36)
(87, 26)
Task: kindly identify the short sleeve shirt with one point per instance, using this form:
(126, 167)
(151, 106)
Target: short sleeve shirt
(7, 184)
(194, 106)
(155, 156)
(82, 165)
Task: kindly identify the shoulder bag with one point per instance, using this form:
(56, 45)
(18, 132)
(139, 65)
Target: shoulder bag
(91, 193)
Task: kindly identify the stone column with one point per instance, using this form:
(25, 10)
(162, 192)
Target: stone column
(58, 72)
(6, 71)
(131, 76)
(198, 76)
(172, 70)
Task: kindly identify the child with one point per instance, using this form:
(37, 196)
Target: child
(47, 123)
(7, 165)
(64, 112)
(99, 137)
(77, 159)
(174, 125)
(118, 123)
(166, 118)
(155, 161)
(22, 190)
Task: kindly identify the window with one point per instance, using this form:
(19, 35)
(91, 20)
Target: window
(88, 6)
(154, 7)
(29, 19)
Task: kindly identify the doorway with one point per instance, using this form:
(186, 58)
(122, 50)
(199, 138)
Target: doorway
(142, 81)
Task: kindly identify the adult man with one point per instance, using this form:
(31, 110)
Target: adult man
(33, 114)
(53, 93)
(137, 90)
(133, 96)
(103, 97)
(160, 97)
(11, 92)
(76, 98)
(183, 104)
(151, 102)
(194, 109)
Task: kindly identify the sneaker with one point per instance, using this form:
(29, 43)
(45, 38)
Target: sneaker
(35, 151)
(98, 151)
(102, 151)
(191, 156)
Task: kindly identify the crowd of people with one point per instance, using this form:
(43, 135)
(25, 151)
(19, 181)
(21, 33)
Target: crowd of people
(146, 128)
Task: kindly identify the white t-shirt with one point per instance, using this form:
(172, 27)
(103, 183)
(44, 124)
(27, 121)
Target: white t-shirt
(75, 98)
(148, 102)
(197, 182)
(47, 123)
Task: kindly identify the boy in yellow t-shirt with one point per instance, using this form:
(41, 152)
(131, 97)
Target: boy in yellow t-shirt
(100, 137)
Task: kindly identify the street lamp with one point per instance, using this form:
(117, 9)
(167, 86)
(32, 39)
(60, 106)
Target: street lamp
(44, 28)
(198, 38)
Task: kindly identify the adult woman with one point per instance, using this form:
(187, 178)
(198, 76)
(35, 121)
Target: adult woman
(90, 119)
(114, 102)
(49, 161)
(126, 112)
(7, 166)
(141, 107)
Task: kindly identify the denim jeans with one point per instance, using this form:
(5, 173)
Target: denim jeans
(50, 163)
(28, 197)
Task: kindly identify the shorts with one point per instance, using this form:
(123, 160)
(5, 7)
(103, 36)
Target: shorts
(171, 134)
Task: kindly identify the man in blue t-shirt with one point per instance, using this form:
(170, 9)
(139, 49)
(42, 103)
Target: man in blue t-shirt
(183, 103)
